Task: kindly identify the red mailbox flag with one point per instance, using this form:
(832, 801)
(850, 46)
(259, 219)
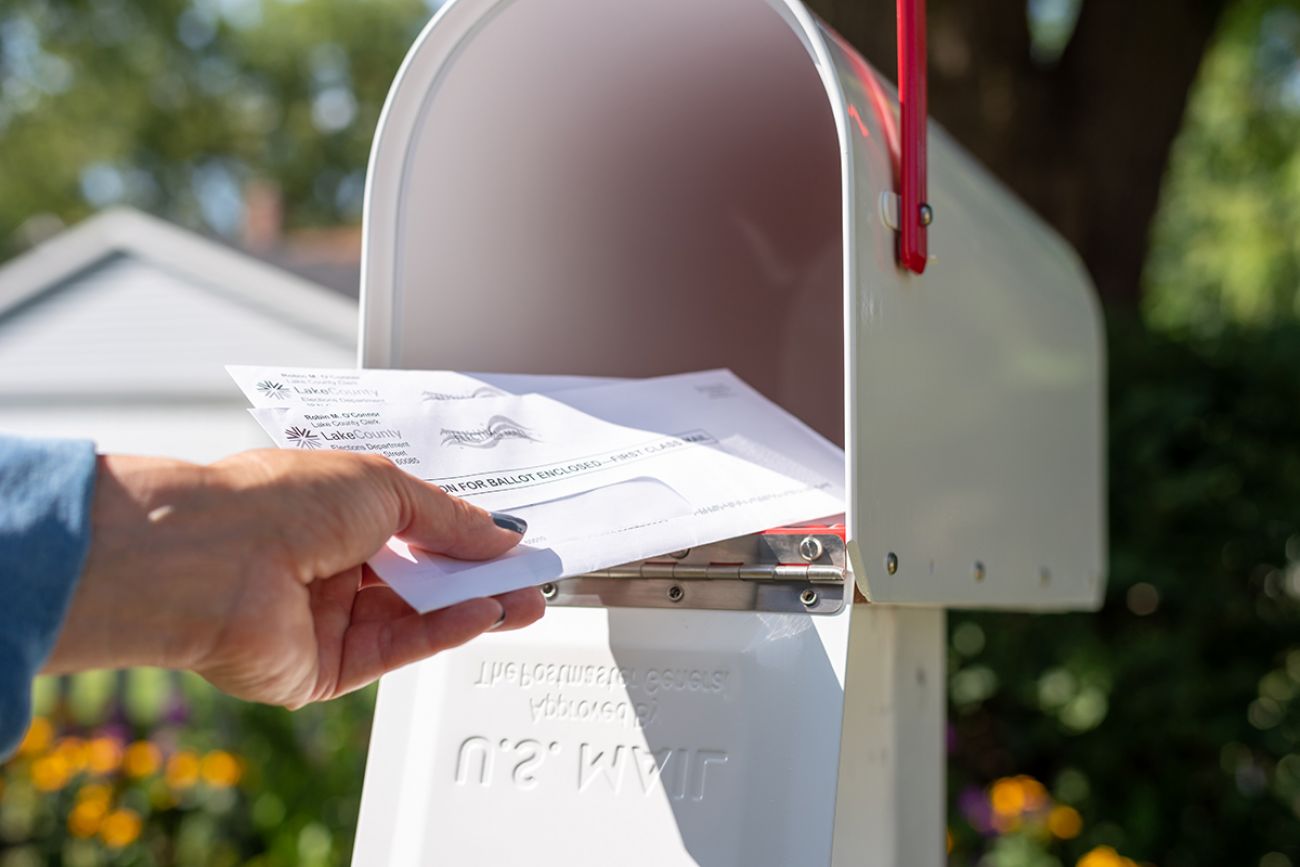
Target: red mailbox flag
(914, 213)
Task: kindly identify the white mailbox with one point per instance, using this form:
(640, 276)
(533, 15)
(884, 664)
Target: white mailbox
(626, 188)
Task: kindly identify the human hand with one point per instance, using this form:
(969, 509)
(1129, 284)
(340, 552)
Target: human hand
(250, 572)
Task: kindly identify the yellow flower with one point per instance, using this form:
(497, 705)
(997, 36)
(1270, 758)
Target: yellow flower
(948, 840)
(104, 755)
(38, 737)
(1065, 823)
(120, 828)
(183, 770)
(86, 818)
(141, 759)
(50, 772)
(1101, 856)
(74, 752)
(1007, 798)
(95, 793)
(1011, 797)
(220, 769)
(1104, 856)
(1033, 793)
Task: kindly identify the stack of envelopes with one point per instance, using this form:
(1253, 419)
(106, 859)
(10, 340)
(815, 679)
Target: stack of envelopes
(604, 471)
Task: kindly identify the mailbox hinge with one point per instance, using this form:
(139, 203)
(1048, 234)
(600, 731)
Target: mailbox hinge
(727, 572)
(792, 569)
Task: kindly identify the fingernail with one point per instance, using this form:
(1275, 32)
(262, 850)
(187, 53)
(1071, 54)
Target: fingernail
(500, 620)
(510, 522)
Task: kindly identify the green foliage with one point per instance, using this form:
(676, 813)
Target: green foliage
(1226, 242)
(173, 106)
(1170, 719)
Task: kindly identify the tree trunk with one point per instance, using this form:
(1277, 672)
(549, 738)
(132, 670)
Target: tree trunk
(1083, 140)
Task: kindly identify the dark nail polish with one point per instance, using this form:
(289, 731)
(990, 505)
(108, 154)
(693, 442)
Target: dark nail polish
(510, 522)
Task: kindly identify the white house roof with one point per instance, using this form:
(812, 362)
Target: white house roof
(120, 328)
(127, 304)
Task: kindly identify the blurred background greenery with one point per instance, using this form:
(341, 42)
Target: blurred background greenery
(1164, 730)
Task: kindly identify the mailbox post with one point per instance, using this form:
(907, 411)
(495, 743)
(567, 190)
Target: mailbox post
(631, 189)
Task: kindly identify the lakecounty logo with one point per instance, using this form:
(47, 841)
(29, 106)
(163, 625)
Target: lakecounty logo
(273, 390)
(497, 429)
(302, 437)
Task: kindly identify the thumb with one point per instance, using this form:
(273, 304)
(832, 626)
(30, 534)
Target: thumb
(443, 524)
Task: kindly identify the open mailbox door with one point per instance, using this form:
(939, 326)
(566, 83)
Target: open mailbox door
(634, 189)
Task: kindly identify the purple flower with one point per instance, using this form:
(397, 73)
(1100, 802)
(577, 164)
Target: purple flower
(974, 805)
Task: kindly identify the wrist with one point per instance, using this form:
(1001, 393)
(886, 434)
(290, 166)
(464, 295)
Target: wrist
(141, 597)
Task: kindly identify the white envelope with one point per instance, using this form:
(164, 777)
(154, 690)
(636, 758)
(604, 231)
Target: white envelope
(267, 386)
(604, 475)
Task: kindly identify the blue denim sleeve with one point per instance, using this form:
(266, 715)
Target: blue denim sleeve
(45, 492)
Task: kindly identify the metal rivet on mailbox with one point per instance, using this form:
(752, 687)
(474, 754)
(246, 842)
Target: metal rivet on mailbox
(808, 597)
(810, 548)
(549, 591)
(891, 562)
(680, 555)
(927, 214)
(675, 593)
